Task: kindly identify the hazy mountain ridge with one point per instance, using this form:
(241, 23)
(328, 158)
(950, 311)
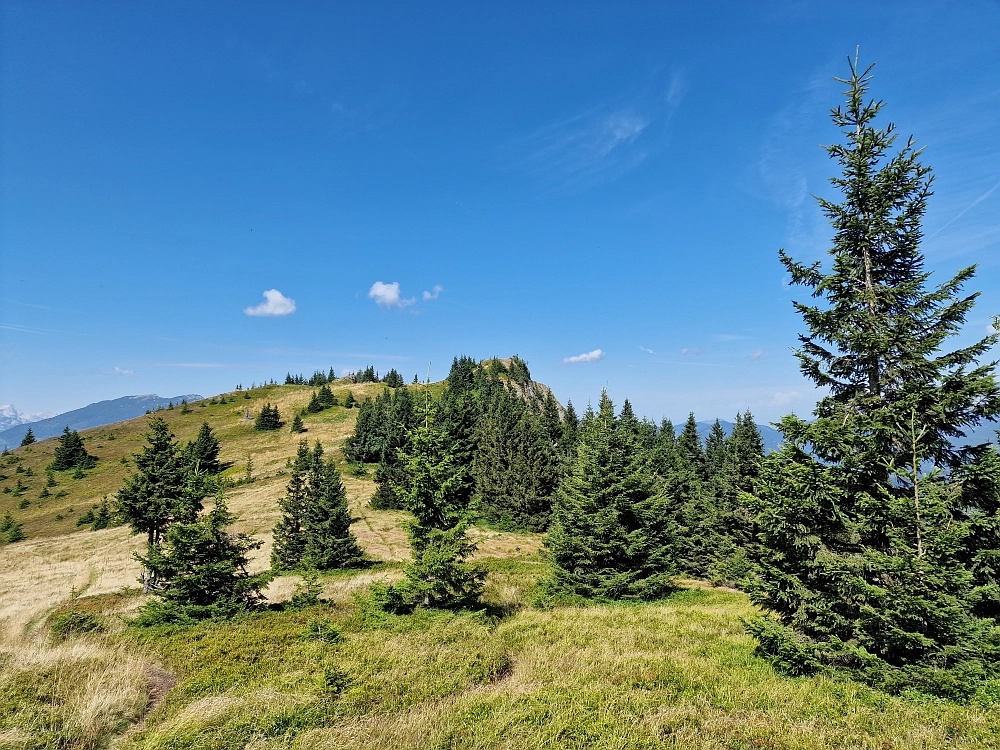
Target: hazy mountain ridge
(93, 415)
(10, 416)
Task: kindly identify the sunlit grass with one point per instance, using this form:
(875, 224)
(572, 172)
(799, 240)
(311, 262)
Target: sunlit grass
(676, 673)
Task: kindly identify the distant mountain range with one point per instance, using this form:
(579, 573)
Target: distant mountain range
(94, 415)
(11, 417)
(984, 433)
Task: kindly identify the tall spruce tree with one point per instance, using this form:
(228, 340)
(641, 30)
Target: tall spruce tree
(693, 502)
(611, 536)
(289, 532)
(163, 490)
(881, 532)
(28, 439)
(399, 418)
(268, 419)
(315, 528)
(365, 444)
(435, 493)
(326, 519)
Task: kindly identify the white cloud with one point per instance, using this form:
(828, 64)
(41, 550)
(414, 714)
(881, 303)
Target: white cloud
(677, 90)
(434, 295)
(692, 352)
(758, 354)
(648, 351)
(119, 371)
(387, 295)
(586, 357)
(276, 304)
(783, 398)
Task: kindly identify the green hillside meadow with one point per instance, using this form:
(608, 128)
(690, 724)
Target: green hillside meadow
(520, 673)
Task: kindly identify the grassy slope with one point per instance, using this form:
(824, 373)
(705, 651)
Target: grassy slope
(679, 673)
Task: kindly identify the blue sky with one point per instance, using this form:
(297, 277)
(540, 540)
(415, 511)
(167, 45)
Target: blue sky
(537, 178)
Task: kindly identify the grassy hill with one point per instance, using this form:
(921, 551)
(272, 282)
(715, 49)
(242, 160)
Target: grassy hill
(675, 673)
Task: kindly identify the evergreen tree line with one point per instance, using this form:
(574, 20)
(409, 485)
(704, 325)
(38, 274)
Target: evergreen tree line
(517, 444)
(318, 378)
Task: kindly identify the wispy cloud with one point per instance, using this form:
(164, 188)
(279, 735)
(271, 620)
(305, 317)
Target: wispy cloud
(119, 371)
(388, 296)
(41, 331)
(648, 351)
(275, 304)
(965, 210)
(587, 149)
(758, 354)
(435, 293)
(607, 140)
(593, 356)
(693, 352)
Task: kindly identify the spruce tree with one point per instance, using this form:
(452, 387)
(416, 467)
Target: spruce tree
(326, 519)
(268, 419)
(610, 536)
(162, 490)
(201, 571)
(435, 493)
(551, 420)
(716, 450)
(326, 398)
(694, 503)
(745, 449)
(349, 400)
(393, 379)
(314, 530)
(663, 454)
(315, 406)
(70, 453)
(880, 532)
(103, 518)
(365, 444)
(399, 418)
(289, 533)
(28, 439)
(568, 434)
(297, 425)
(203, 452)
